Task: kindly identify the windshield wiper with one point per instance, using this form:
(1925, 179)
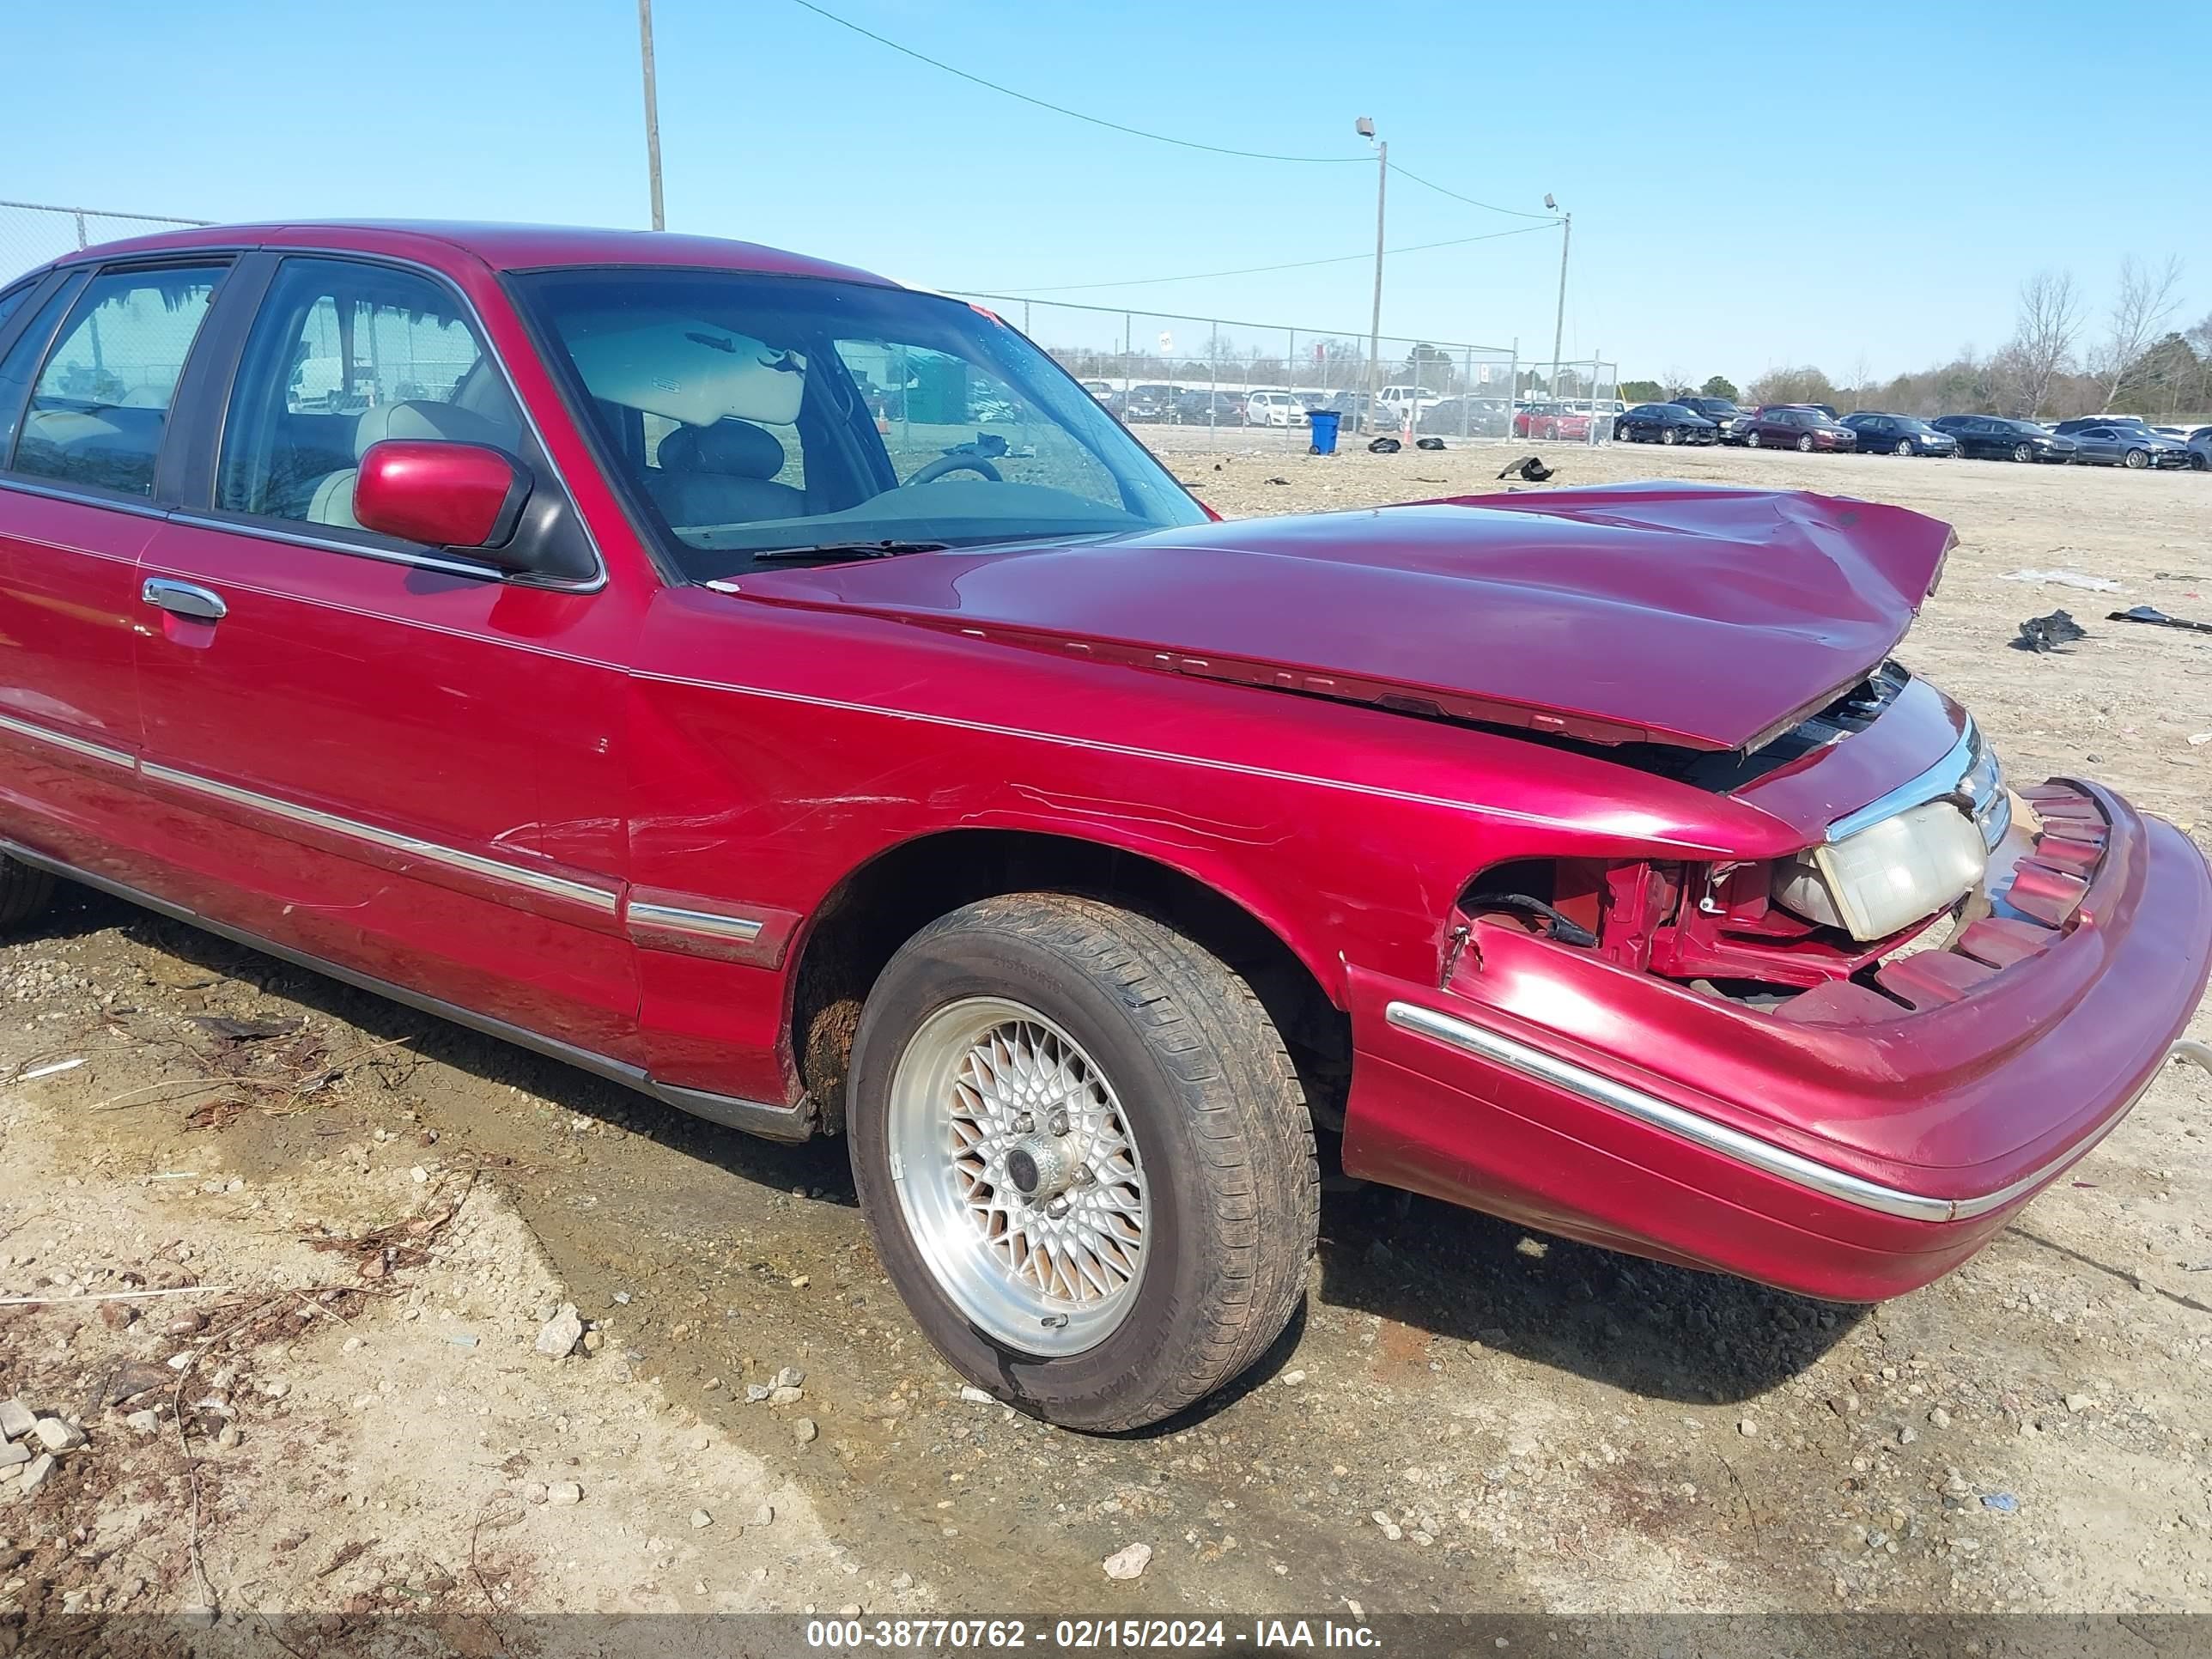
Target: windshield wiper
(883, 550)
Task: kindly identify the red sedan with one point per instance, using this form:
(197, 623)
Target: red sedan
(1553, 421)
(790, 695)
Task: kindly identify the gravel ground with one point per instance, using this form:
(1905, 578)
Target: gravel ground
(377, 1217)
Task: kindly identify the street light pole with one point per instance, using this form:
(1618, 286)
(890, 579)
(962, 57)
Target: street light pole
(651, 111)
(1365, 128)
(1560, 322)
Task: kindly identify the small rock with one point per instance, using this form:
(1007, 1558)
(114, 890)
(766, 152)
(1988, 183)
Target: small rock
(1391, 1529)
(789, 1377)
(558, 1339)
(1748, 1428)
(901, 1581)
(418, 1175)
(15, 1419)
(275, 1388)
(57, 1435)
(700, 1518)
(1939, 1418)
(145, 1422)
(755, 1393)
(786, 1395)
(975, 1397)
(1128, 1563)
(1907, 1435)
(763, 1514)
(11, 1454)
(564, 1494)
(186, 1324)
(35, 1474)
(1291, 1379)
(804, 1430)
(116, 1315)
(594, 1341)
(799, 1283)
(228, 1437)
(534, 1492)
(2077, 1403)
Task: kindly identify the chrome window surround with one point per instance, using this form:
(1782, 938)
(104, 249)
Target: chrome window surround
(1968, 774)
(1730, 1143)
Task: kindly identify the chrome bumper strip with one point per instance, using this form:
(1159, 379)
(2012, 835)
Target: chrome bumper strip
(1730, 1143)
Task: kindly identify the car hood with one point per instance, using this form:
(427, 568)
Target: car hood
(1707, 618)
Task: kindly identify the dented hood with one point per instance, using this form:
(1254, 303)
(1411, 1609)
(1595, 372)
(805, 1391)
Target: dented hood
(1702, 617)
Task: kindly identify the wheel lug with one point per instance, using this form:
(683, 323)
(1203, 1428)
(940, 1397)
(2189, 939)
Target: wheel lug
(1057, 1208)
(1023, 1123)
(1058, 1124)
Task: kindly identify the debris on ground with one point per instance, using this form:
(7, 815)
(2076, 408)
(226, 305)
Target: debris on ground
(2043, 634)
(2063, 577)
(2157, 618)
(1531, 469)
(559, 1338)
(1428, 443)
(1128, 1562)
(1384, 447)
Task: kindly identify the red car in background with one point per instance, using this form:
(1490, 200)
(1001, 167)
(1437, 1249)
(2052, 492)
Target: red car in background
(1796, 426)
(637, 647)
(1553, 421)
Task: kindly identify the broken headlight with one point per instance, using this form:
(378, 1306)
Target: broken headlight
(1898, 871)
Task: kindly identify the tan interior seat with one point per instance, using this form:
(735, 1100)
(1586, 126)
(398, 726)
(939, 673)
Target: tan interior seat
(721, 474)
(332, 502)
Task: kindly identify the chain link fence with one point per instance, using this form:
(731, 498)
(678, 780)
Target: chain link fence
(31, 232)
(1175, 377)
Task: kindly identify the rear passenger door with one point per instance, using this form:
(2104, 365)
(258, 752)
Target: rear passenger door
(86, 470)
(384, 755)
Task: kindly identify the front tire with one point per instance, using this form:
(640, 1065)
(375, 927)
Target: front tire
(1668, 434)
(1084, 1157)
(2137, 460)
(1905, 446)
(2023, 453)
(24, 892)
(1805, 444)
(1751, 439)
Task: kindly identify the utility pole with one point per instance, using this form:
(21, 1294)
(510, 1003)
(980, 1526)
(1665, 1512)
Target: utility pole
(1365, 128)
(1560, 322)
(651, 111)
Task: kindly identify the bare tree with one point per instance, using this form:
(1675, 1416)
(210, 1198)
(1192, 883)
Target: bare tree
(2147, 299)
(1862, 380)
(2051, 318)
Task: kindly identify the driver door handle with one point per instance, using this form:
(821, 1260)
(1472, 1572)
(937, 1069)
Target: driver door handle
(184, 600)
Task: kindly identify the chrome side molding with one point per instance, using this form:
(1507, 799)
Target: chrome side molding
(1730, 1143)
(762, 1118)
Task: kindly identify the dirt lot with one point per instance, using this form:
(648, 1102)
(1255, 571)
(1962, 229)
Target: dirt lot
(1466, 1417)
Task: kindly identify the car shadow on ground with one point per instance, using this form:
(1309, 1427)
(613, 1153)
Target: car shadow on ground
(1661, 1331)
(1443, 1273)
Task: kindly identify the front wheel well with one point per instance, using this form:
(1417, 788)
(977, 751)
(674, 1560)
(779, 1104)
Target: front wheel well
(876, 909)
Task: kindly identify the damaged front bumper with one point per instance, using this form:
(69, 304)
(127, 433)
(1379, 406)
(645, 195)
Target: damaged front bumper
(1854, 1143)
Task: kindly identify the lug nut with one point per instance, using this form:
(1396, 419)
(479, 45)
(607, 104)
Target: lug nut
(1023, 1123)
(1056, 1208)
(1057, 1124)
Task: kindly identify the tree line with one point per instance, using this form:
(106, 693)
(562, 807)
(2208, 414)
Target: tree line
(2063, 360)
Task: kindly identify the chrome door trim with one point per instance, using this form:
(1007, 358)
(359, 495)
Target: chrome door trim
(669, 918)
(184, 599)
(84, 746)
(786, 1123)
(133, 505)
(604, 900)
(265, 531)
(1730, 1143)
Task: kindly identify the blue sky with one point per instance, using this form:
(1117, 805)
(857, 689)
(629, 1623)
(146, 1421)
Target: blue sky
(1751, 185)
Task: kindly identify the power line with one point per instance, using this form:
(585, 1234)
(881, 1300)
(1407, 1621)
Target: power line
(1488, 207)
(1293, 264)
(1061, 109)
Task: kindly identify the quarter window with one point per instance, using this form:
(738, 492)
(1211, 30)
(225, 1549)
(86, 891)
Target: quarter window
(22, 364)
(345, 354)
(97, 412)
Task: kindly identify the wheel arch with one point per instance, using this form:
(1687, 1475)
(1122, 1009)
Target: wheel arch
(852, 934)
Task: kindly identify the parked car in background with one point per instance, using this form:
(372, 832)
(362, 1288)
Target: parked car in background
(1351, 408)
(2067, 428)
(1663, 423)
(1995, 437)
(1797, 426)
(2136, 447)
(1898, 434)
(1550, 420)
(975, 804)
(1464, 417)
(1397, 400)
(1273, 409)
(2200, 449)
(1203, 408)
(1721, 411)
(1151, 402)
(1102, 390)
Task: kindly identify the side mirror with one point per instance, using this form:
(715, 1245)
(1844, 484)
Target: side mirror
(465, 496)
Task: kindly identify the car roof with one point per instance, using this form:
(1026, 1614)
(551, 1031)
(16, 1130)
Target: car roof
(500, 247)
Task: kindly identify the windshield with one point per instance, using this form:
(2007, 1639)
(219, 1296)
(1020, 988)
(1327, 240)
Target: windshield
(756, 414)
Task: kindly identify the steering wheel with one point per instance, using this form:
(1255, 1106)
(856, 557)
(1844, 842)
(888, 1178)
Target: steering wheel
(944, 463)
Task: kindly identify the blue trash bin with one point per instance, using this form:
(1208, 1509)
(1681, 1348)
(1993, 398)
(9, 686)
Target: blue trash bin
(1323, 424)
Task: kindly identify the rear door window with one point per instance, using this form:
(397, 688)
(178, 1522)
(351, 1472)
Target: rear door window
(100, 405)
